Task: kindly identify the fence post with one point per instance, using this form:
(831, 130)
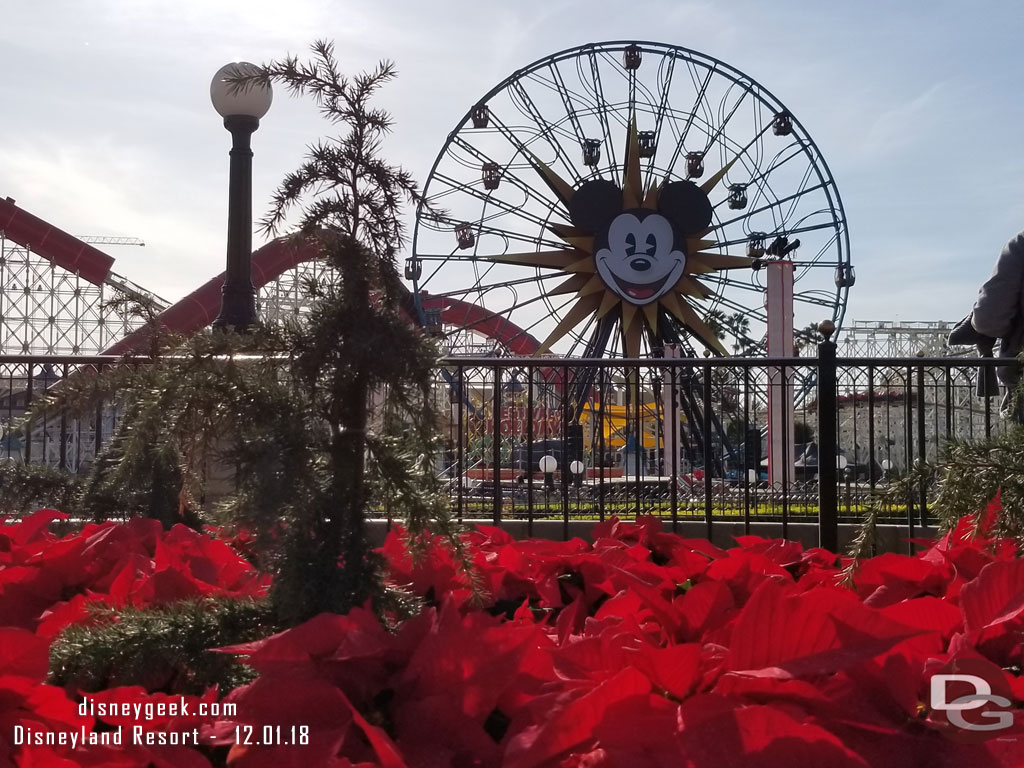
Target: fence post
(828, 502)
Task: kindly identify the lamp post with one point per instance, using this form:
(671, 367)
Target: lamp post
(576, 468)
(241, 107)
(548, 464)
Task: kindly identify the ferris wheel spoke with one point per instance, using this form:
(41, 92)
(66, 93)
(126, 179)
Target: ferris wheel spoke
(573, 102)
(665, 86)
(743, 152)
(766, 190)
(602, 112)
(805, 297)
(505, 314)
(767, 207)
(794, 231)
(762, 183)
(528, 191)
(482, 228)
(566, 97)
(690, 116)
(530, 109)
(463, 292)
(489, 199)
(725, 121)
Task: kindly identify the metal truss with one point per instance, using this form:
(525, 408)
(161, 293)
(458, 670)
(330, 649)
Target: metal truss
(286, 299)
(887, 338)
(45, 309)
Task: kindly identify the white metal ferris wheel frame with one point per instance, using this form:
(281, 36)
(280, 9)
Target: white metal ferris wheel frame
(485, 224)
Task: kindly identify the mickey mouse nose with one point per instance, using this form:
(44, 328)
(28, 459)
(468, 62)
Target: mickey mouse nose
(640, 265)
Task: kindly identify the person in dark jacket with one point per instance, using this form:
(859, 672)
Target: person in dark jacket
(999, 313)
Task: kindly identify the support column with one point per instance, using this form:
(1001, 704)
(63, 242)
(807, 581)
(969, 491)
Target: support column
(779, 279)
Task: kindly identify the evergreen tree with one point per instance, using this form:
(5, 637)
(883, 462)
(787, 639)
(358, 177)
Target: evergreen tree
(287, 408)
(357, 341)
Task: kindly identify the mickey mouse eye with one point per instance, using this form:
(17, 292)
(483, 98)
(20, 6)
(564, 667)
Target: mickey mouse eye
(652, 243)
(630, 243)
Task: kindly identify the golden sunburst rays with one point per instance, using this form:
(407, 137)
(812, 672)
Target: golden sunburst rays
(592, 298)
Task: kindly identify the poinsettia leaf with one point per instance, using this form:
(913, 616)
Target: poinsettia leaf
(787, 634)
(24, 653)
(996, 596)
(573, 723)
(675, 670)
(757, 737)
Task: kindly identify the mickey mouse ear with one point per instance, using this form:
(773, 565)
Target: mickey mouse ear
(595, 204)
(685, 205)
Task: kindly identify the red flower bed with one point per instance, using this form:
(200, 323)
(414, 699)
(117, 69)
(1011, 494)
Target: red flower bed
(641, 649)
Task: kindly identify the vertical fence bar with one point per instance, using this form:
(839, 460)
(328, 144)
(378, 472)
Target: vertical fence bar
(708, 458)
(566, 459)
(528, 472)
(785, 399)
(872, 475)
(828, 517)
(908, 453)
(64, 427)
(460, 454)
(677, 439)
(948, 380)
(602, 388)
(638, 437)
(982, 371)
(496, 449)
(747, 432)
(11, 369)
(98, 435)
(28, 404)
(921, 445)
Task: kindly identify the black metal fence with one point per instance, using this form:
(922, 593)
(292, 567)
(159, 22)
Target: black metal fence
(702, 443)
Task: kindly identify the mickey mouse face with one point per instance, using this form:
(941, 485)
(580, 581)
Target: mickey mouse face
(640, 263)
(640, 254)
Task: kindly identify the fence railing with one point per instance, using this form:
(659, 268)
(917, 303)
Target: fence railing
(694, 441)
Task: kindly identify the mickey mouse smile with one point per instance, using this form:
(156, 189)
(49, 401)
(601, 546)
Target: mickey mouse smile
(640, 293)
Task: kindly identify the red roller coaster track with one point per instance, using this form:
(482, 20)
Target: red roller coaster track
(199, 308)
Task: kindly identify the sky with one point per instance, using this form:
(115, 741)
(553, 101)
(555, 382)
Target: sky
(107, 127)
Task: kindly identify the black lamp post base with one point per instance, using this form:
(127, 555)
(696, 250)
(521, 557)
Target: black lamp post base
(237, 309)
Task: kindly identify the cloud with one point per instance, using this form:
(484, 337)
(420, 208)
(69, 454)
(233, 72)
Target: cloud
(902, 125)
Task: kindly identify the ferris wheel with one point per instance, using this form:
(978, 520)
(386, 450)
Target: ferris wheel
(614, 197)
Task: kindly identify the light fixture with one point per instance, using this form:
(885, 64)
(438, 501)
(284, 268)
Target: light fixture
(241, 105)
